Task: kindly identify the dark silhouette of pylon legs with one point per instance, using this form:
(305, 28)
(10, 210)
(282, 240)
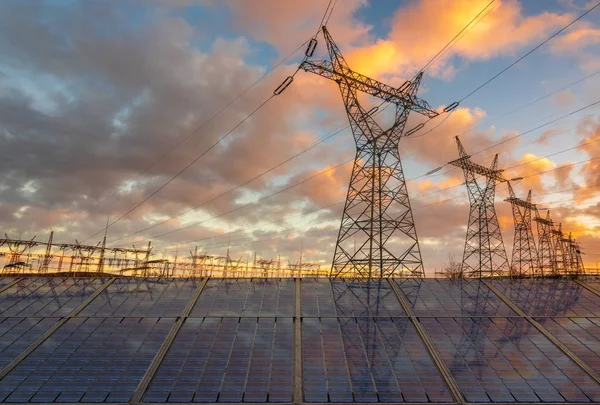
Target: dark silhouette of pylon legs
(525, 260)
(560, 254)
(546, 258)
(484, 254)
(377, 236)
(377, 220)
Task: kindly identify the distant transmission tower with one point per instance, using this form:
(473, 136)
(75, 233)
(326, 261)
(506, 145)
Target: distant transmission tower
(484, 254)
(573, 262)
(546, 257)
(576, 259)
(561, 262)
(377, 214)
(524, 254)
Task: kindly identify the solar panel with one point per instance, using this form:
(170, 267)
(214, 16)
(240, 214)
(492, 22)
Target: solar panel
(593, 282)
(41, 297)
(227, 360)
(365, 297)
(357, 343)
(367, 360)
(549, 297)
(445, 297)
(87, 360)
(16, 334)
(143, 297)
(5, 281)
(317, 298)
(246, 297)
(580, 335)
(507, 360)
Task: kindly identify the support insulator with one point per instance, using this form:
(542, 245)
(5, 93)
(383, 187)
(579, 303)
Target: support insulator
(373, 110)
(405, 85)
(451, 107)
(516, 178)
(283, 85)
(434, 171)
(310, 49)
(415, 129)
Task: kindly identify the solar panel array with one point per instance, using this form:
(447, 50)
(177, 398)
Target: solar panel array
(86, 340)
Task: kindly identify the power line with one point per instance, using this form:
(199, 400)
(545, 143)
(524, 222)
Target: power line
(202, 125)
(319, 174)
(449, 45)
(528, 53)
(280, 88)
(509, 67)
(331, 135)
(252, 203)
(323, 22)
(529, 131)
(135, 207)
(443, 50)
(158, 190)
(323, 223)
(326, 16)
(415, 198)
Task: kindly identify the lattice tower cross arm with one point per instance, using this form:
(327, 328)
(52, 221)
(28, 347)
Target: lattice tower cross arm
(338, 71)
(465, 163)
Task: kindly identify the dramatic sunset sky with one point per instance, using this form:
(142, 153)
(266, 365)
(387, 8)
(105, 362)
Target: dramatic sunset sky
(92, 93)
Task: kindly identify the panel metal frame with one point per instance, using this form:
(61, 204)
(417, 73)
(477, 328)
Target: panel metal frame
(297, 358)
(429, 345)
(297, 376)
(588, 287)
(570, 354)
(139, 392)
(9, 367)
(9, 285)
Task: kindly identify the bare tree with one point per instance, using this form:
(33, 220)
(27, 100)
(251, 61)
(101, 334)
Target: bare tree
(450, 269)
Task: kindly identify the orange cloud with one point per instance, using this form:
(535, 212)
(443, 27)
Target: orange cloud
(530, 164)
(576, 40)
(421, 29)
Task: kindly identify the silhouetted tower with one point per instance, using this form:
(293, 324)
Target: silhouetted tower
(577, 259)
(377, 214)
(546, 257)
(560, 258)
(484, 254)
(524, 254)
(573, 261)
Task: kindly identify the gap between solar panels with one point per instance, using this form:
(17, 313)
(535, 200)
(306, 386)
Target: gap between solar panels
(587, 287)
(435, 356)
(166, 345)
(15, 362)
(570, 354)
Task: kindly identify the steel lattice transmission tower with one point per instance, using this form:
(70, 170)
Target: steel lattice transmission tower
(525, 260)
(546, 257)
(576, 254)
(560, 254)
(484, 254)
(573, 262)
(377, 236)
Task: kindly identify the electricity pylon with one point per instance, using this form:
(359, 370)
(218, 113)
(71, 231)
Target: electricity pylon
(524, 254)
(576, 254)
(573, 262)
(546, 257)
(560, 254)
(484, 254)
(377, 215)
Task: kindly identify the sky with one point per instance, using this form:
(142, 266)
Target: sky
(140, 113)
